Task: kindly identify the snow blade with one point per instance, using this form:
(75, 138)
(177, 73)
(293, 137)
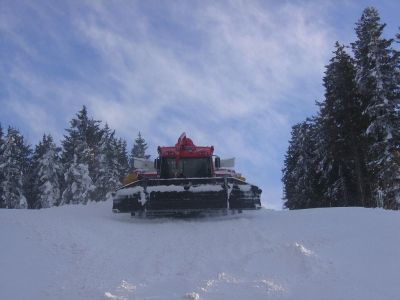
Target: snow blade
(186, 196)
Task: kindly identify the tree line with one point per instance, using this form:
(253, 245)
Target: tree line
(349, 153)
(89, 165)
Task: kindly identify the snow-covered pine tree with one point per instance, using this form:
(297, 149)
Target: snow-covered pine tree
(342, 124)
(79, 184)
(80, 150)
(292, 196)
(107, 174)
(47, 170)
(120, 147)
(377, 81)
(300, 178)
(14, 164)
(138, 150)
(82, 139)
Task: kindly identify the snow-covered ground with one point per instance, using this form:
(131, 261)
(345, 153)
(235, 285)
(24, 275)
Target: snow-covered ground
(87, 252)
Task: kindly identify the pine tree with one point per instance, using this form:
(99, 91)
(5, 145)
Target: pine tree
(138, 150)
(82, 140)
(120, 147)
(377, 81)
(47, 173)
(79, 184)
(292, 194)
(107, 174)
(342, 143)
(14, 164)
(300, 176)
(80, 151)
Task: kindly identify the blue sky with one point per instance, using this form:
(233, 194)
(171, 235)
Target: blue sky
(233, 74)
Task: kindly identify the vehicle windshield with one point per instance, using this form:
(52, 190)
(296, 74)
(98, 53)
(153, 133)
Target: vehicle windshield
(186, 167)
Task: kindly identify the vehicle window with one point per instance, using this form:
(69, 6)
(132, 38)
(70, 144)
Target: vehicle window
(186, 168)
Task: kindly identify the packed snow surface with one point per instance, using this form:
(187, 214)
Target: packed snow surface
(87, 252)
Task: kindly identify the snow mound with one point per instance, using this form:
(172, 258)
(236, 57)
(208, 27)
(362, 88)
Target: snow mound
(87, 252)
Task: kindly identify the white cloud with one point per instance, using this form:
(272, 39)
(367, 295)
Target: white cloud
(36, 118)
(249, 58)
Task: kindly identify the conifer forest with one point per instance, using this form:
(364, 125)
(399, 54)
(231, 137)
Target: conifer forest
(89, 165)
(348, 154)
